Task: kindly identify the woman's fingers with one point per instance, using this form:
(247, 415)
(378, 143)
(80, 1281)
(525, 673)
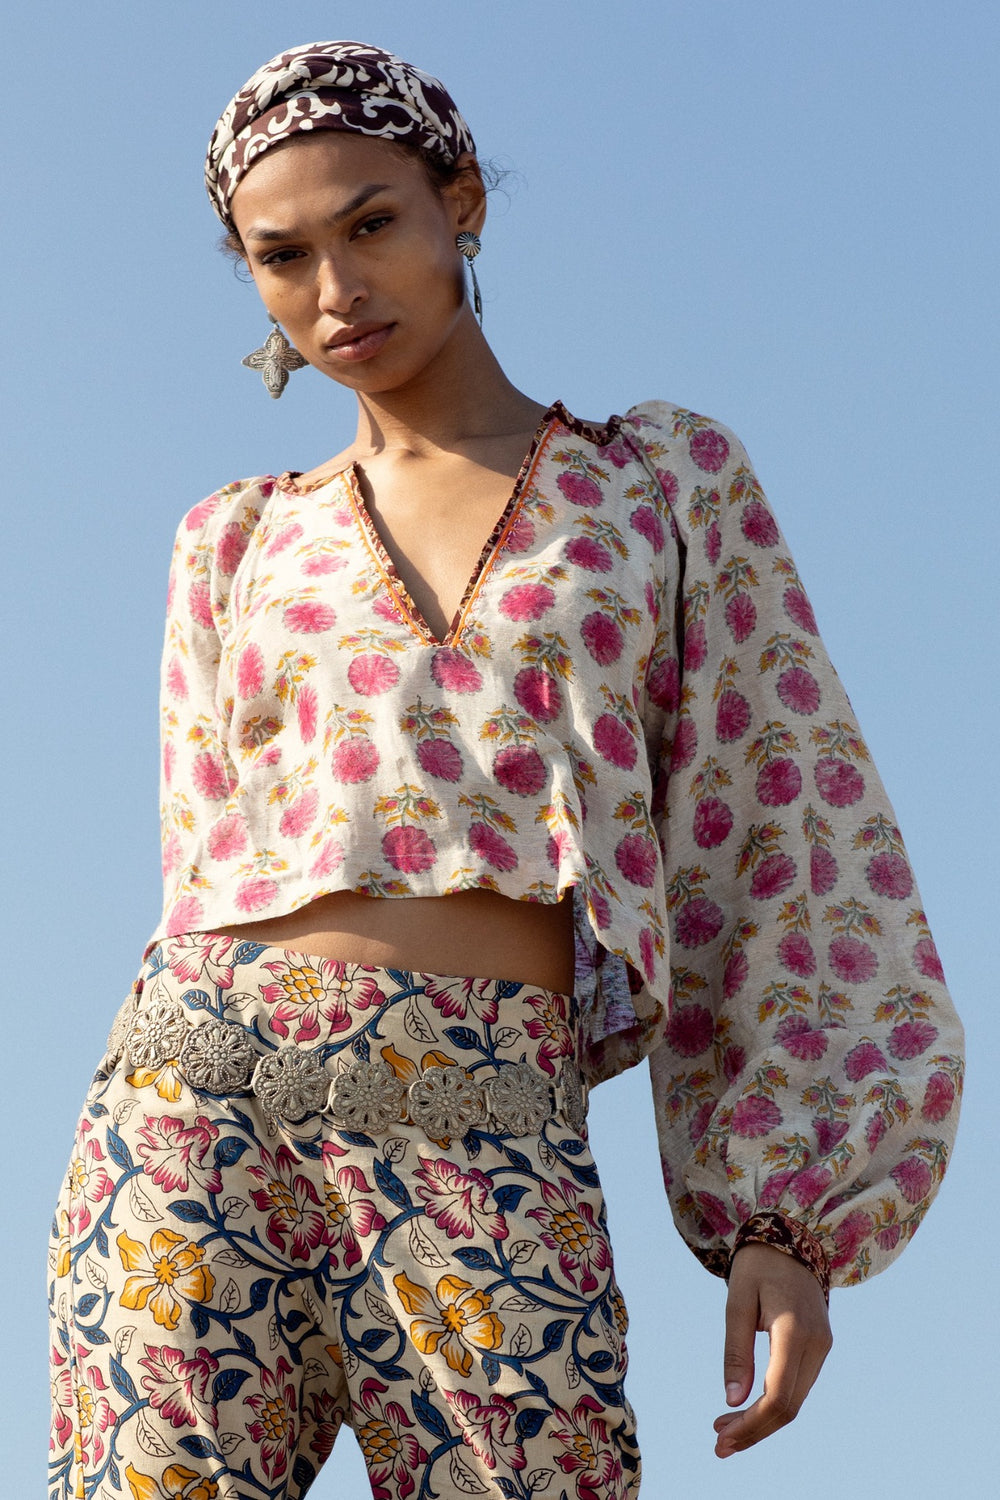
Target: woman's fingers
(775, 1293)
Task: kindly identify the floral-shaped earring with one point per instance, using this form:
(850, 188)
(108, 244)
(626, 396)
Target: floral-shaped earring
(274, 359)
(469, 245)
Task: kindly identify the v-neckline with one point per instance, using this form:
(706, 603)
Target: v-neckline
(487, 557)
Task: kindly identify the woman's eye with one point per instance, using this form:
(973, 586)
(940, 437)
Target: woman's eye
(278, 257)
(374, 224)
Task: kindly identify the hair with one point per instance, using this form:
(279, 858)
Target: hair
(440, 174)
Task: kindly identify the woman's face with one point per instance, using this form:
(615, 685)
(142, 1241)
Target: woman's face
(353, 251)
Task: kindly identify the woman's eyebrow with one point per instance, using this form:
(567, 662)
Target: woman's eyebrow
(263, 233)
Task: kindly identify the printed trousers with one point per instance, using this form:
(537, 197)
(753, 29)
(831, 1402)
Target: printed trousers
(306, 1193)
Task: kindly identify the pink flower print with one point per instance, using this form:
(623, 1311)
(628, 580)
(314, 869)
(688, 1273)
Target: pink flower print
(484, 1426)
(939, 1096)
(169, 758)
(527, 601)
(799, 691)
(250, 671)
(199, 514)
(227, 837)
(758, 525)
(636, 858)
(773, 1190)
(579, 489)
(177, 1385)
(411, 850)
(323, 1417)
(567, 1225)
(796, 954)
(309, 617)
(889, 875)
(618, 453)
(772, 876)
(838, 782)
(209, 776)
(386, 1447)
(690, 1031)
(698, 921)
(90, 1183)
(173, 1153)
(492, 847)
(714, 1215)
(709, 449)
(200, 605)
(741, 617)
(732, 716)
(668, 484)
(713, 542)
(647, 952)
(173, 851)
(911, 1038)
(734, 1060)
(371, 674)
(347, 1213)
(440, 758)
(329, 859)
(664, 684)
(455, 672)
(325, 564)
(520, 769)
(735, 974)
(95, 1414)
(588, 1453)
(354, 760)
(283, 538)
(799, 610)
(548, 1026)
(302, 993)
(300, 814)
(296, 1220)
(852, 960)
(913, 1177)
(888, 1238)
(176, 682)
(849, 1236)
(695, 646)
(230, 547)
(538, 694)
(925, 956)
(778, 783)
(875, 1130)
(755, 1116)
(460, 997)
(615, 742)
(863, 1059)
(822, 870)
(799, 1040)
(186, 916)
(602, 637)
(682, 751)
(203, 958)
(305, 708)
(647, 523)
(586, 552)
(521, 534)
(700, 1120)
(255, 893)
(275, 1428)
(456, 1200)
(808, 1185)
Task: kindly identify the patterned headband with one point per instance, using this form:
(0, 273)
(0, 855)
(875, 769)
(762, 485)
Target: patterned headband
(330, 86)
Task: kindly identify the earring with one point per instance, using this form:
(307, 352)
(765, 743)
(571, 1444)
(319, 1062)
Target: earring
(469, 245)
(274, 359)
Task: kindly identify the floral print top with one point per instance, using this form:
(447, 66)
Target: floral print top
(633, 704)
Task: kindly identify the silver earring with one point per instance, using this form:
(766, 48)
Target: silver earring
(274, 359)
(469, 245)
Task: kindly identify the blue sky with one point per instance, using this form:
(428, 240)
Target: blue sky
(781, 214)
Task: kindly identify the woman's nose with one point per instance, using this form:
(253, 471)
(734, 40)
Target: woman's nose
(340, 287)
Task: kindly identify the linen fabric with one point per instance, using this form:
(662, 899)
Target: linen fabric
(633, 704)
(234, 1274)
(330, 86)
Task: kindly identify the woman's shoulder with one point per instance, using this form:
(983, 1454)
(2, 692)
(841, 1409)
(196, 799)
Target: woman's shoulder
(241, 504)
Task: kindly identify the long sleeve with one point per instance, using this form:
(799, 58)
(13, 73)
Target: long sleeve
(196, 773)
(810, 1067)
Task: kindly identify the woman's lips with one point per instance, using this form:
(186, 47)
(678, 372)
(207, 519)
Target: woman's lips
(360, 343)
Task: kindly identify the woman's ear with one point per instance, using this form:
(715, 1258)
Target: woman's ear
(467, 195)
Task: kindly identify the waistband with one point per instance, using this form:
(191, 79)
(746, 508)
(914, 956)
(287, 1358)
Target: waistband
(363, 1048)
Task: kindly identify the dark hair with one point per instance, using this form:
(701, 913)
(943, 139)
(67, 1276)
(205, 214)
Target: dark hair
(440, 174)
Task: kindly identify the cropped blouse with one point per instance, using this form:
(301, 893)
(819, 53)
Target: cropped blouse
(632, 704)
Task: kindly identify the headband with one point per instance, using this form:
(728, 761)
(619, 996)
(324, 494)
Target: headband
(330, 86)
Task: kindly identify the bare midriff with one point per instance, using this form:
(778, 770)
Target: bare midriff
(476, 933)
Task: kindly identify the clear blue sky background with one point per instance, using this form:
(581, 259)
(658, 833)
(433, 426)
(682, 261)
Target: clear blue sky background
(781, 213)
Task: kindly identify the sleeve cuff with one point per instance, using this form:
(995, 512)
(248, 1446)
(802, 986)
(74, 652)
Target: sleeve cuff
(791, 1238)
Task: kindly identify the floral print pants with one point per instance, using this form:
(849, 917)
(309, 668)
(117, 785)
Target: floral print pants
(305, 1193)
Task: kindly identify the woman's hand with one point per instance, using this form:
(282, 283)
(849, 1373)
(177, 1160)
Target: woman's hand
(774, 1293)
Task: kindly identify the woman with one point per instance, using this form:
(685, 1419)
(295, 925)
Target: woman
(498, 752)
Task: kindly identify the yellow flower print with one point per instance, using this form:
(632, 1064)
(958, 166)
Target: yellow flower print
(179, 1483)
(451, 1319)
(171, 1268)
(167, 1080)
